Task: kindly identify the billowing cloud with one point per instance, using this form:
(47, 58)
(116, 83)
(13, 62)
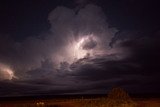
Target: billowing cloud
(80, 53)
(88, 44)
(6, 73)
(62, 42)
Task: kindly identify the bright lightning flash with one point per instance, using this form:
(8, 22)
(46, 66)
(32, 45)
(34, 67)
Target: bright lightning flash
(6, 72)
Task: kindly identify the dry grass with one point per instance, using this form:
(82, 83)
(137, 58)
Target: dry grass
(97, 102)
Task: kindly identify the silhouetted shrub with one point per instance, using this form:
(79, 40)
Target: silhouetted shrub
(117, 97)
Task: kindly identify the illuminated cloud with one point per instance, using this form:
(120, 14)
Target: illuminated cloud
(6, 73)
(80, 53)
(86, 33)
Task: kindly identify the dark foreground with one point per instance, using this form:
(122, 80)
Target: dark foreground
(96, 101)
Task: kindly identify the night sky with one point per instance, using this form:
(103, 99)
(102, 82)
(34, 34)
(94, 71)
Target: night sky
(63, 47)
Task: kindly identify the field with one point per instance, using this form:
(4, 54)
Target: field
(78, 102)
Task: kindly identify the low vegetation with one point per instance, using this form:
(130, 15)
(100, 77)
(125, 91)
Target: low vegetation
(96, 102)
(116, 98)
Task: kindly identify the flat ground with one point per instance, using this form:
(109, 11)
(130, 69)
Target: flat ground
(80, 102)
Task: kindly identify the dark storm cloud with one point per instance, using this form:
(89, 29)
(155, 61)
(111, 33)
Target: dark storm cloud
(30, 88)
(6, 47)
(80, 3)
(34, 59)
(146, 52)
(138, 72)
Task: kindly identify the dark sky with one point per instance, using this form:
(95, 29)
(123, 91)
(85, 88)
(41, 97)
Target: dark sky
(121, 46)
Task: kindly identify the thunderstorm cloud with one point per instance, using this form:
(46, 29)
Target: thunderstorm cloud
(80, 53)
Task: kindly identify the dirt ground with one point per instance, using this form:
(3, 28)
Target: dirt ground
(98, 102)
